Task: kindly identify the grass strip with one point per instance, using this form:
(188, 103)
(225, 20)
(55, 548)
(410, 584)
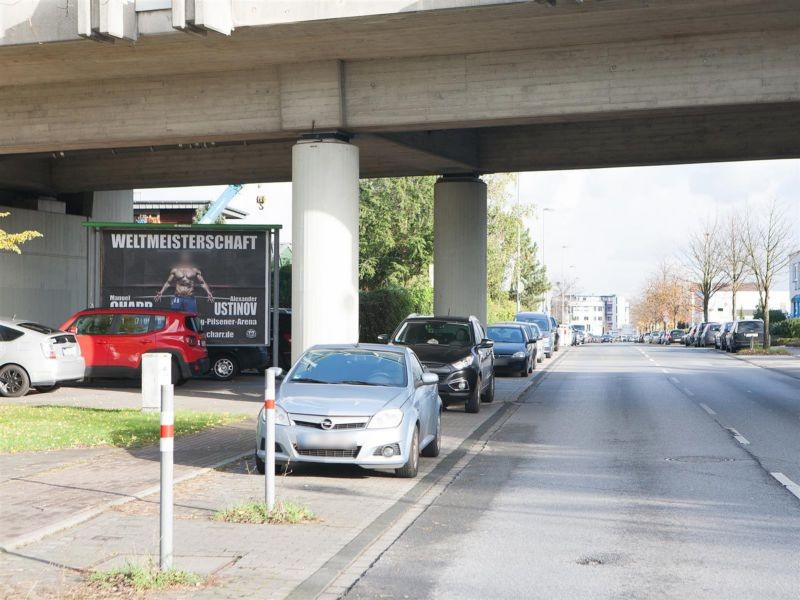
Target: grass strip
(32, 428)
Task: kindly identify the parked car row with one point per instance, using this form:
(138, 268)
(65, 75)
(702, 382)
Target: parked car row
(380, 405)
(729, 336)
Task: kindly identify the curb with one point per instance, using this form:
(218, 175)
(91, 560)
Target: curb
(746, 359)
(318, 582)
(90, 513)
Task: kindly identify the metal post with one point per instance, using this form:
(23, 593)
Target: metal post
(269, 440)
(167, 446)
(276, 297)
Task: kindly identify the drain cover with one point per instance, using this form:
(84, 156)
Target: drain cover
(700, 459)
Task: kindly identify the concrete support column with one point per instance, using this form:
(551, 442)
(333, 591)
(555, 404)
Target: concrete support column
(459, 247)
(113, 206)
(324, 243)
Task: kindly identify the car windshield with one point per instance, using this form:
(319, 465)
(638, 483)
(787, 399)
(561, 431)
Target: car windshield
(436, 333)
(505, 335)
(540, 320)
(750, 327)
(676, 332)
(38, 328)
(351, 367)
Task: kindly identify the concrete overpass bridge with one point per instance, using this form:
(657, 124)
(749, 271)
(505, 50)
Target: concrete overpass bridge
(116, 94)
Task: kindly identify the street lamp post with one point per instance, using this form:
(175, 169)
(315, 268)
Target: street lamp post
(544, 210)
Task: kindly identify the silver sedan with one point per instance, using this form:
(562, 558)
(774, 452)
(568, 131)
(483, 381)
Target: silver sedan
(370, 405)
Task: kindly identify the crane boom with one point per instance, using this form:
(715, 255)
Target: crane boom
(215, 208)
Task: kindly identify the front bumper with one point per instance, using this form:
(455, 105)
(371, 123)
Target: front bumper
(361, 447)
(455, 386)
(510, 363)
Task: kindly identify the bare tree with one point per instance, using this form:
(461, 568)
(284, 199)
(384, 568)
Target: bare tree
(734, 257)
(768, 244)
(704, 260)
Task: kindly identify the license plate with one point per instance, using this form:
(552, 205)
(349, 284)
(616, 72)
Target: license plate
(500, 362)
(312, 441)
(70, 351)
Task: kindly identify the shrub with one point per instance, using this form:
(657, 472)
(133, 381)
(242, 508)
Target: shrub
(788, 328)
(381, 310)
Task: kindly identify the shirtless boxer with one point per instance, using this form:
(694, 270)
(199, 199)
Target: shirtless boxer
(185, 276)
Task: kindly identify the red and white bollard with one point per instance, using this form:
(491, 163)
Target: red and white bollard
(269, 439)
(167, 445)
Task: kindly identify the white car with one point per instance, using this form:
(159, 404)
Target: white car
(36, 356)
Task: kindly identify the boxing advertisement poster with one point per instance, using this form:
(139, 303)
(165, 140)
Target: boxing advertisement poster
(222, 275)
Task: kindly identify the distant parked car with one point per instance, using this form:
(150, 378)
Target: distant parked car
(606, 338)
(113, 340)
(676, 336)
(457, 350)
(720, 341)
(536, 335)
(369, 405)
(655, 337)
(513, 348)
(545, 324)
(744, 333)
(708, 335)
(36, 356)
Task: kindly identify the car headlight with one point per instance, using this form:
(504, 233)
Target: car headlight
(463, 363)
(519, 355)
(386, 419)
(281, 416)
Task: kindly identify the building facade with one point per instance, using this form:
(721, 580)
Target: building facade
(598, 313)
(747, 302)
(794, 285)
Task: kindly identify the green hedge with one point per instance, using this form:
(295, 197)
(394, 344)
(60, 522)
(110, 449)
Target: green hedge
(789, 328)
(381, 310)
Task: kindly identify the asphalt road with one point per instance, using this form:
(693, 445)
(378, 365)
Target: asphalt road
(631, 471)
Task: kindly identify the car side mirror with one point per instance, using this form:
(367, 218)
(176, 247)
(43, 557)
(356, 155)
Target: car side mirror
(529, 342)
(383, 338)
(430, 379)
(486, 343)
(72, 329)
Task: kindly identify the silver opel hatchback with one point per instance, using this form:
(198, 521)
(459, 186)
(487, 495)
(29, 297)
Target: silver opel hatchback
(369, 405)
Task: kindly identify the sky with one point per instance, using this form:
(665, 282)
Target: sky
(606, 229)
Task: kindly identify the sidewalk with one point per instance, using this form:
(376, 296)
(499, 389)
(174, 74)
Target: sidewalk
(786, 365)
(354, 507)
(43, 492)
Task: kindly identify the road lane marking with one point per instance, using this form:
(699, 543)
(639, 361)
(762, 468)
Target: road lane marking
(739, 437)
(707, 408)
(790, 485)
(664, 371)
(674, 380)
(688, 392)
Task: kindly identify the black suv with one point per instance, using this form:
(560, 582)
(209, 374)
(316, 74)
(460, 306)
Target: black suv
(456, 349)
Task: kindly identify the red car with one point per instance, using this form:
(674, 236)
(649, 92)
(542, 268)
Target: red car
(112, 341)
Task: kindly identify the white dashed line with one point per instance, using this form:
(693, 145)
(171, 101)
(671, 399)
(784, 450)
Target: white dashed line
(739, 437)
(787, 483)
(688, 392)
(707, 408)
(674, 380)
(664, 371)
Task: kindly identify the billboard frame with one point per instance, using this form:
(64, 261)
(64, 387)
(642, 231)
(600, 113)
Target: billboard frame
(96, 229)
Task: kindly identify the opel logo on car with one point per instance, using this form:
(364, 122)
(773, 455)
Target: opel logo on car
(326, 424)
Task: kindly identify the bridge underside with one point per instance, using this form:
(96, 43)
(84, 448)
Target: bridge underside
(492, 86)
(673, 137)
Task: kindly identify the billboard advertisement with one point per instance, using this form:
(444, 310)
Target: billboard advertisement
(222, 275)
